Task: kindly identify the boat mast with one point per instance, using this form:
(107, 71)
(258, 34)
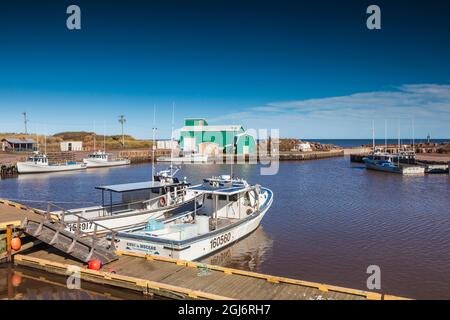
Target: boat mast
(373, 136)
(385, 135)
(45, 140)
(37, 139)
(104, 136)
(171, 140)
(154, 142)
(94, 138)
(398, 153)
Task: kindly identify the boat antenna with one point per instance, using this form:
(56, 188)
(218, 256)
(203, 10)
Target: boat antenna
(171, 140)
(373, 135)
(104, 136)
(37, 139)
(385, 135)
(413, 135)
(45, 140)
(154, 142)
(398, 132)
(94, 138)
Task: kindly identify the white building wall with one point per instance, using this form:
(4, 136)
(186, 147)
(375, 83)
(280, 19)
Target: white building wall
(166, 144)
(71, 146)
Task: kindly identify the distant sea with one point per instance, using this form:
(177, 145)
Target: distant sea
(360, 142)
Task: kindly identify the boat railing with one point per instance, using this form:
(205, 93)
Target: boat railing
(76, 225)
(129, 206)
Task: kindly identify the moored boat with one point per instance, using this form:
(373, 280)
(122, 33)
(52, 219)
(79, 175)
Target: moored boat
(103, 159)
(139, 202)
(231, 210)
(190, 158)
(393, 163)
(38, 163)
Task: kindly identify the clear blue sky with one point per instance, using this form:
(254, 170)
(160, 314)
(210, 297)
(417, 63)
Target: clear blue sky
(312, 70)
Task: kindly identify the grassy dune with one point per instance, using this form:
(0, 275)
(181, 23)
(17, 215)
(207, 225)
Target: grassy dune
(113, 142)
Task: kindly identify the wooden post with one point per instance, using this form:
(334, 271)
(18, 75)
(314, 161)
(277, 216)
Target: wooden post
(8, 243)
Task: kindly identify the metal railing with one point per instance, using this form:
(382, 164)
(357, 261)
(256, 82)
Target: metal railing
(110, 209)
(79, 234)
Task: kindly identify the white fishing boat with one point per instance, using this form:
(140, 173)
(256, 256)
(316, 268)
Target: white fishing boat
(403, 163)
(103, 159)
(231, 210)
(189, 158)
(38, 163)
(138, 202)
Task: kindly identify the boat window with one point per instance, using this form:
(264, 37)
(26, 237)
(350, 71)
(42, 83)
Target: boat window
(209, 196)
(222, 197)
(233, 197)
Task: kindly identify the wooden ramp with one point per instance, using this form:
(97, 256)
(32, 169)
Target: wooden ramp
(49, 229)
(184, 279)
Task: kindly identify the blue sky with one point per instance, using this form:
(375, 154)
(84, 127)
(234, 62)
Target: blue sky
(312, 70)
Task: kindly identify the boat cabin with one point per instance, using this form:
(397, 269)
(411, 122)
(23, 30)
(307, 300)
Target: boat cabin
(38, 159)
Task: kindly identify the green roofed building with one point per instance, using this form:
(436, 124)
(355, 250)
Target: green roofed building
(196, 132)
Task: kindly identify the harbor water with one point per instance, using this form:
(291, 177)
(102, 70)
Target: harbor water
(330, 220)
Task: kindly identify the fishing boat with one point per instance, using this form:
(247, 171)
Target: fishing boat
(103, 159)
(130, 204)
(394, 163)
(38, 163)
(403, 162)
(189, 158)
(231, 209)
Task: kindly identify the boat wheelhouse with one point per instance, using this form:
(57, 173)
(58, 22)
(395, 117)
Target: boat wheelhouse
(129, 205)
(231, 209)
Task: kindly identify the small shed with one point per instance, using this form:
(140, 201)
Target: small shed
(71, 146)
(18, 144)
(304, 147)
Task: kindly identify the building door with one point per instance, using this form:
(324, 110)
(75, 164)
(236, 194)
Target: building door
(69, 146)
(189, 144)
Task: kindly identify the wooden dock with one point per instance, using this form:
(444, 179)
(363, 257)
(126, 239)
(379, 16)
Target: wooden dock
(171, 278)
(177, 279)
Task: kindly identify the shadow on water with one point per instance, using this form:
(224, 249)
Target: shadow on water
(20, 283)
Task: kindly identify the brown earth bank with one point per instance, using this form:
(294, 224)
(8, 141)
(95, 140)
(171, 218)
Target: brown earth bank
(289, 144)
(113, 142)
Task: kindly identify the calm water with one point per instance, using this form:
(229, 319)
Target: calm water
(329, 221)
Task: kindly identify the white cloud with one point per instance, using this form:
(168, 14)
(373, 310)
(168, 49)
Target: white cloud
(349, 116)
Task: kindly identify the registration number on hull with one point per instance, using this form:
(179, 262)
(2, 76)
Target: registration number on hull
(220, 240)
(83, 226)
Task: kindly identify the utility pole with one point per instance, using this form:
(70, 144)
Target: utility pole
(122, 120)
(25, 120)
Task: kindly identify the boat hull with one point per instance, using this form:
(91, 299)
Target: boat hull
(92, 163)
(402, 169)
(24, 167)
(187, 159)
(200, 246)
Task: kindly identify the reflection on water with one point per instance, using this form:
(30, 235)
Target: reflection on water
(27, 284)
(248, 254)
